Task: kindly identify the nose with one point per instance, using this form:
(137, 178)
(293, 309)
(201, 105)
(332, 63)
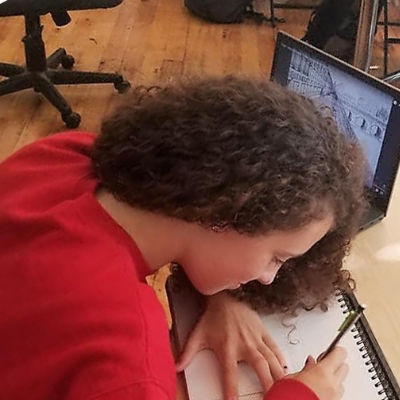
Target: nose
(267, 277)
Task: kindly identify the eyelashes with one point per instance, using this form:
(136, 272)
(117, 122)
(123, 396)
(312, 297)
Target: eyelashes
(278, 262)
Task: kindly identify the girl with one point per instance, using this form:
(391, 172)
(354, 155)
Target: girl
(236, 180)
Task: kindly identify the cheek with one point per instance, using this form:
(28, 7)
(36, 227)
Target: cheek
(209, 274)
(256, 266)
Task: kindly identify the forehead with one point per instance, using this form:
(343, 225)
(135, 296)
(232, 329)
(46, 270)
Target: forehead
(290, 243)
(299, 241)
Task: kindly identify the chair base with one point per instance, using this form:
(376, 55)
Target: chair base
(42, 74)
(19, 78)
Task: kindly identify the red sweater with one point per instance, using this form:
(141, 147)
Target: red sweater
(77, 319)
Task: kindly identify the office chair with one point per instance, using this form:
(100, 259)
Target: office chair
(42, 73)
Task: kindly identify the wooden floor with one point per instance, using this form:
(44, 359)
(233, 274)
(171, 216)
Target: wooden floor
(149, 41)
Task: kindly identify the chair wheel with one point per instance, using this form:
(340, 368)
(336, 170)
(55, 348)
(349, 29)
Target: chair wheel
(72, 120)
(67, 62)
(122, 86)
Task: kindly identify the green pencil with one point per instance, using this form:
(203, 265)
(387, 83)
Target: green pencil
(350, 320)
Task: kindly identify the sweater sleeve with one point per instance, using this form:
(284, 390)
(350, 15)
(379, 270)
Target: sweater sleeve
(147, 390)
(289, 389)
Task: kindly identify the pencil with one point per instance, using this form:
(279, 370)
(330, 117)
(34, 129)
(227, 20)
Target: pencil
(350, 320)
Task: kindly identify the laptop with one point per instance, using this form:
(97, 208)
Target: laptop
(365, 108)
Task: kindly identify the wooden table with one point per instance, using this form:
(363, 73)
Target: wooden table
(375, 265)
(375, 258)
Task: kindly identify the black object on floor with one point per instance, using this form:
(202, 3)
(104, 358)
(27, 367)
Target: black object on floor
(42, 73)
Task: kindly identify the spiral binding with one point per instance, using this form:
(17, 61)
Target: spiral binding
(384, 388)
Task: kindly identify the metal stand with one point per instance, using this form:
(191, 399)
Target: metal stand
(394, 76)
(365, 34)
(273, 6)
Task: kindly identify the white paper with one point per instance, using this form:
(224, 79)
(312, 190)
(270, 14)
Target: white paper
(311, 334)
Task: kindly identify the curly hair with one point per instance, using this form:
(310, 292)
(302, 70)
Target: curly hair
(245, 155)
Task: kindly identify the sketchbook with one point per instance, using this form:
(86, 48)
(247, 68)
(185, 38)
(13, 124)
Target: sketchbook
(309, 333)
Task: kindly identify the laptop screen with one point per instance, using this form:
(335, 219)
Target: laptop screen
(365, 109)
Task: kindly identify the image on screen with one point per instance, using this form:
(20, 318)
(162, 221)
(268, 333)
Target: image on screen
(360, 111)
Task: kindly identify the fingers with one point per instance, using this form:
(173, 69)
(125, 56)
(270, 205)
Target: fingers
(262, 369)
(341, 391)
(194, 344)
(342, 372)
(335, 359)
(310, 362)
(269, 342)
(275, 367)
(229, 377)
(320, 357)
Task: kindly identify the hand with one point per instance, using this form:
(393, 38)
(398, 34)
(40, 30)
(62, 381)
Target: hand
(326, 377)
(235, 333)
